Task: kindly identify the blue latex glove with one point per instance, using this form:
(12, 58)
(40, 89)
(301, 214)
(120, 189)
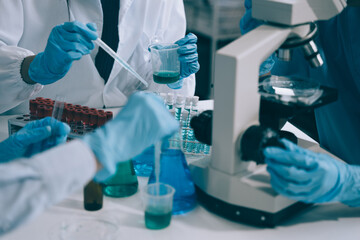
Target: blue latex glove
(247, 23)
(141, 123)
(312, 177)
(35, 137)
(188, 58)
(66, 43)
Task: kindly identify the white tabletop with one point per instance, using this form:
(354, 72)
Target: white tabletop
(326, 221)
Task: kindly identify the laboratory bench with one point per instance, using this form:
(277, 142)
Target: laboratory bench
(124, 217)
(327, 222)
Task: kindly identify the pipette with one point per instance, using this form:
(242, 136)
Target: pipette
(157, 165)
(119, 60)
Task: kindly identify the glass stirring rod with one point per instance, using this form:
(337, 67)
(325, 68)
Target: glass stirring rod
(119, 60)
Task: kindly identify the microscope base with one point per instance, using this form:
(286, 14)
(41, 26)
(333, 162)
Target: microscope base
(247, 215)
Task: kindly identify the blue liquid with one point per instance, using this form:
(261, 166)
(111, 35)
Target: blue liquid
(199, 147)
(175, 172)
(184, 127)
(206, 149)
(178, 113)
(144, 163)
(190, 137)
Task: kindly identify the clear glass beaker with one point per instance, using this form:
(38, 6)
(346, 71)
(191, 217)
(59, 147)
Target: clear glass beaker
(175, 171)
(123, 183)
(165, 62)
(158, 204)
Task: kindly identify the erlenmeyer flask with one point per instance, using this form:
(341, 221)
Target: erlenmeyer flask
(174, 171)
(123, 183)
(144, 162)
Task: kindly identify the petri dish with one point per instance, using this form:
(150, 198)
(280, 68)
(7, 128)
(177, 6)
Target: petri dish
(288, 89)
(85, 228)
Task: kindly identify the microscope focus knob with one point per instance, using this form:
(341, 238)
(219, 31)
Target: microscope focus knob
(202, 125)
(255, 139)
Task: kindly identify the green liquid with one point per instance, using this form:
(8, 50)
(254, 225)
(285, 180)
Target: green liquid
(124, 183)
(120, 190)
(166, 77)
(157, 221)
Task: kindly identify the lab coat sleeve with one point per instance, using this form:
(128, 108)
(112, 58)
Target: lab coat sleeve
(30, 185)
(13, 90)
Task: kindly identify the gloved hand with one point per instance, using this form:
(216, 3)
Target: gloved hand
(142, 122)
(67, 42)
(188, 58)
(247, 23)
(312, 177)
(35, 137)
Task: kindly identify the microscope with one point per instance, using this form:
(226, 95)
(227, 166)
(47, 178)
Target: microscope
(230, 183)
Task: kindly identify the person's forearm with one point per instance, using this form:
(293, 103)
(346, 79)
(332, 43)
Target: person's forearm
(24, 70)
(41, 181)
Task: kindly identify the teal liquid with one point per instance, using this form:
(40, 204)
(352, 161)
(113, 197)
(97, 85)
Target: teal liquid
(157, 220)
(123, 183)
(166, 77)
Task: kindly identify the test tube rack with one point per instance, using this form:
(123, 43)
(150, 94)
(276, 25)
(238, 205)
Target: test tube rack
(81, 119)
(186, 107)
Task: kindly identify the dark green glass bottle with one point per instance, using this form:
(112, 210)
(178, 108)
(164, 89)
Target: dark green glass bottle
(123, 183)
(93, 196)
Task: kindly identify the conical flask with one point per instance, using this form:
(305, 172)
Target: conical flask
(174, 171)
(123, 183)
(144, 162)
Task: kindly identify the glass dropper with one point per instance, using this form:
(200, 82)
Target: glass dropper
(119, 60)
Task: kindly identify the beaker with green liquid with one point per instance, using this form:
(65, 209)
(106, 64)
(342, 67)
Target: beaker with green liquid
(165, 62)
(123, 183)
(158, 203)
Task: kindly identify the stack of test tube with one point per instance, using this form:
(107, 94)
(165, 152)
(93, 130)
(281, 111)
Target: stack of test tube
(183, 109)
(81, 119)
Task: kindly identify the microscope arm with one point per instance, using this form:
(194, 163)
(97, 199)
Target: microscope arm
(295, 12)
(236, 104)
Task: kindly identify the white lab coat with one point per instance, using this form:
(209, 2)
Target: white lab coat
(26, 24)
(30, 185)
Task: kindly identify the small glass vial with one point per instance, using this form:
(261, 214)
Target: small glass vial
(93, 196)
(169, 101)
(179, 104)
